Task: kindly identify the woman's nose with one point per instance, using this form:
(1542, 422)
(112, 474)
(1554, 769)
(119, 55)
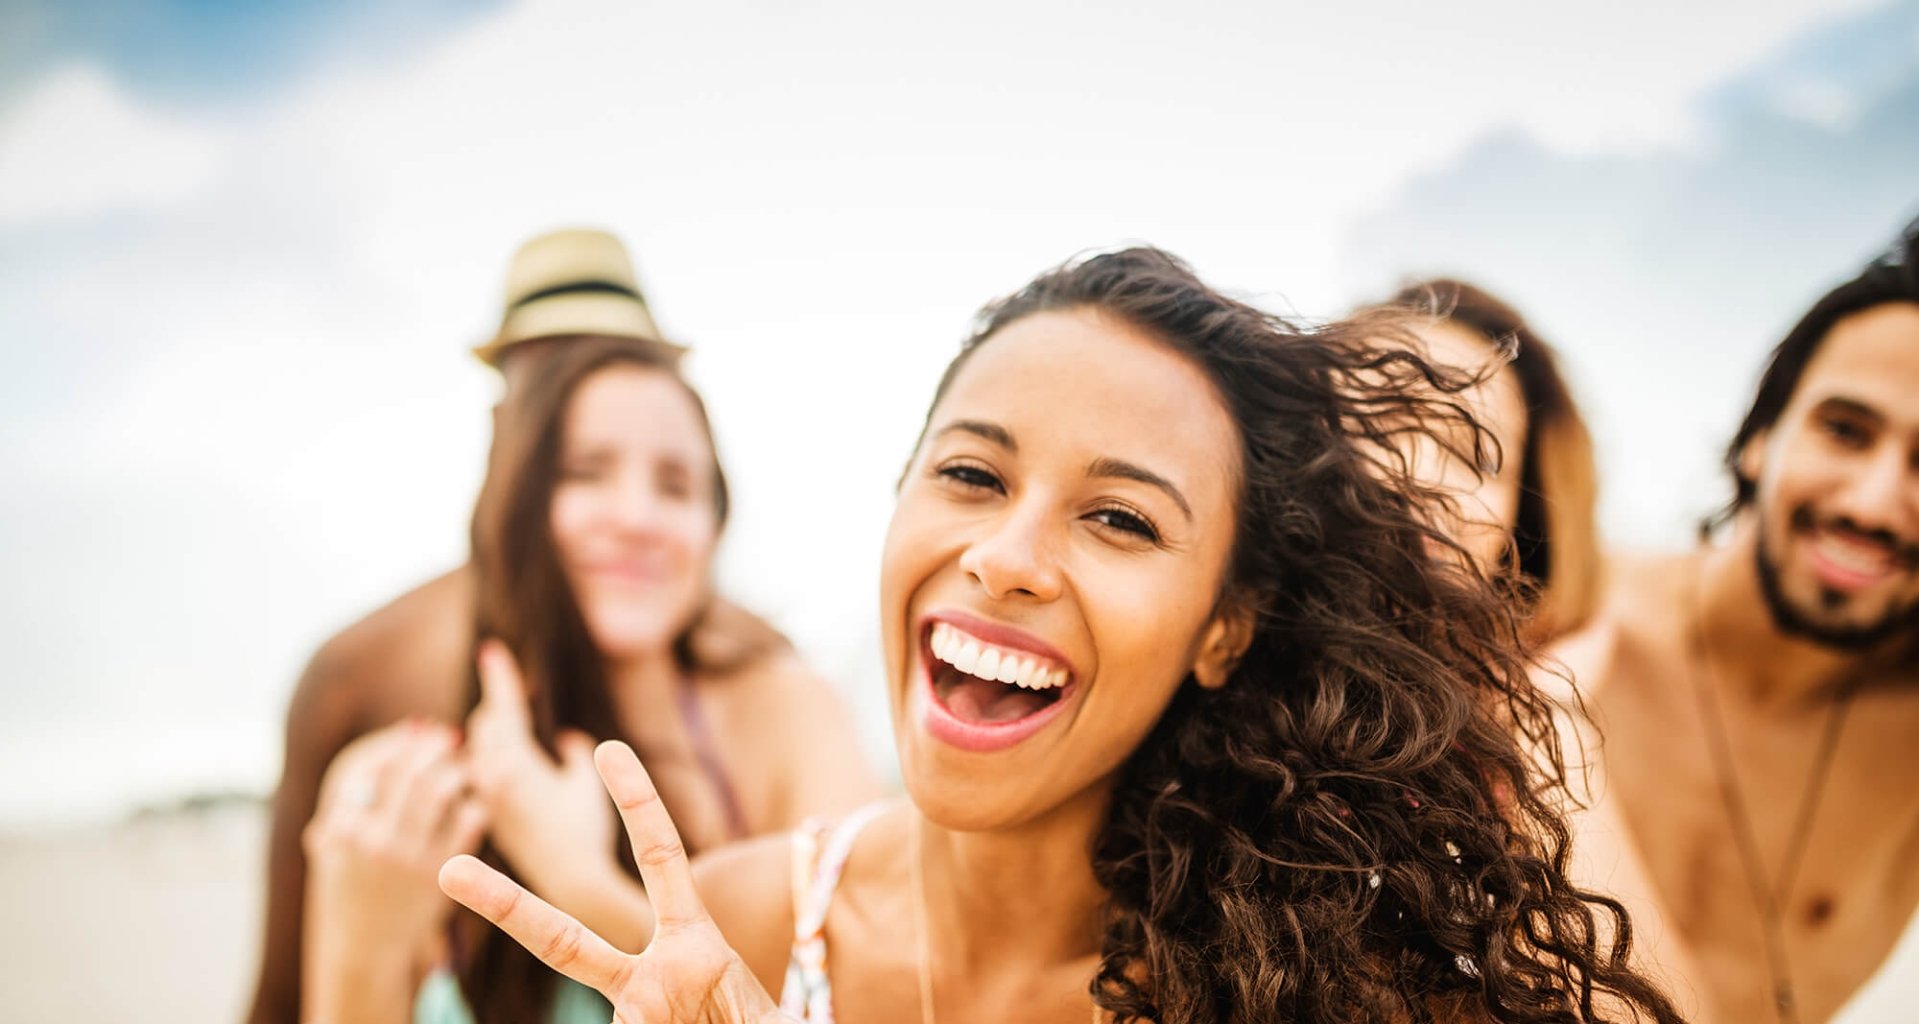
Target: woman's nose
(1015, 558)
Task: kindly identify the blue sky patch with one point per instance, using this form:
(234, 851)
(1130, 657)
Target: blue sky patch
(215, 51)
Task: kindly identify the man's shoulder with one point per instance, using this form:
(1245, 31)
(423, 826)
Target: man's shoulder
(1645, 598)
(1648, 591)
(423, 629)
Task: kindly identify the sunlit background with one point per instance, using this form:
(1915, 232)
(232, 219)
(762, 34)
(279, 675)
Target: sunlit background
(244, 248)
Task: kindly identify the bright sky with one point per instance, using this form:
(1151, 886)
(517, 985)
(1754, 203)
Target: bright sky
(235, 292)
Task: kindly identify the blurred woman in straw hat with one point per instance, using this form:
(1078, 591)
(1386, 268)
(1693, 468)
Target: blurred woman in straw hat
(586, 613)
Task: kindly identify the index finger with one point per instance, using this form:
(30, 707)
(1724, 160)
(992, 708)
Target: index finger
(656, 843)
(502, 688)
(560, 942)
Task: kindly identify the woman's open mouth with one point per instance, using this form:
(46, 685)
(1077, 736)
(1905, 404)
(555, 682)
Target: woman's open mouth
(988, 695)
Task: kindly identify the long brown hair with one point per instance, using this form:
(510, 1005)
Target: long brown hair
(524, 601)
(1350, 828)
(1555, 550)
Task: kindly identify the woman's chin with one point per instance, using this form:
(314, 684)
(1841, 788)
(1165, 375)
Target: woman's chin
(627, 641)
(961, 800)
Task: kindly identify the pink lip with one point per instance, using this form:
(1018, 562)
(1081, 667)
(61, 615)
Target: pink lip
(944, 726)
(1841, 578)
(622, 571)
(1846, 578)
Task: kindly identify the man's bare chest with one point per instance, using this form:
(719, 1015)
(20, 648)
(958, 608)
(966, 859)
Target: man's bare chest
(1785, 843)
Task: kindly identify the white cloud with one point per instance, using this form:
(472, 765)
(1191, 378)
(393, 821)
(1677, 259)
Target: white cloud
(77, 145)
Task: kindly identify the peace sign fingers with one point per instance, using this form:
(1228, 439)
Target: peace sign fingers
(656, 841)
(557, 939)
(687, 975)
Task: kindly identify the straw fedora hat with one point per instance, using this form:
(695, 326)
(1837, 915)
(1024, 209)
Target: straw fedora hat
(575, 281)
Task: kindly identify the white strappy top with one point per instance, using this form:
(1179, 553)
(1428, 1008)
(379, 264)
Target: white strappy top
(820, 849)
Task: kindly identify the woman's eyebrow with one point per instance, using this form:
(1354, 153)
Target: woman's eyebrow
(1849, 406)
(981, 428)
(1107, 466)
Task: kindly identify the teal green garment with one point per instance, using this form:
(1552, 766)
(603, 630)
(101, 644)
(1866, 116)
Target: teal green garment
(440, 1002)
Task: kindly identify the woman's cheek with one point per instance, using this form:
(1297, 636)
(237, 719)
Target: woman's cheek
(1142, 644)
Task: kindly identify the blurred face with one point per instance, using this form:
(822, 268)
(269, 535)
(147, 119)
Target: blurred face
(632, 515)
(1837, 498)
(1053, 565)
(1487, 494)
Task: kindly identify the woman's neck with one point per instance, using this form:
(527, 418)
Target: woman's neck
(1023, 894)
(645, 681)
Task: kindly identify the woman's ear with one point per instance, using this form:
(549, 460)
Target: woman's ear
(1752, 455)
(1225, 641)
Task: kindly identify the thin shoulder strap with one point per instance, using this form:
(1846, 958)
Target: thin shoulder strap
(820, 850)
(832, 861)
(706, 751)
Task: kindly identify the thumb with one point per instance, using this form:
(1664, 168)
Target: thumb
(502, 688)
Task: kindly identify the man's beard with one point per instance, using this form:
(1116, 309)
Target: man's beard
(1899, 620)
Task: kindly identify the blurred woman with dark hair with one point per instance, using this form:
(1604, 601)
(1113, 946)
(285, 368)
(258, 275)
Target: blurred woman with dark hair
(1526, 507)
(1194, 727)
(593, 543)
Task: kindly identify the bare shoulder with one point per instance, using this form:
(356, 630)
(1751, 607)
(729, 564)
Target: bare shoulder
(778, 675)
(423, 620)
(1642, 579)
(1645, 596)
(406, 657)
(779, 699)
(1649, 607)
(748, 890)
(794, 724)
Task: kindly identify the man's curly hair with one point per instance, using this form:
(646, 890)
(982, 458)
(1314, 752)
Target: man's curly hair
(1359, 826)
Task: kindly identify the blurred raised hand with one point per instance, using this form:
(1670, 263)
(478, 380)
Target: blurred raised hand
(393, 807)
(549, 817)
(686, 975)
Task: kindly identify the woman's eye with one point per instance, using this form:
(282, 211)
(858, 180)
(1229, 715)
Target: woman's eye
(1121, 519)
(674, 485)
(970, 476)
(1847, 434)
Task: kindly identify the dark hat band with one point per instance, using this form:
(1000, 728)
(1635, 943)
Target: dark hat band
(580, 287)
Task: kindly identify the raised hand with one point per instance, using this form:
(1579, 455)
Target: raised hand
(687, 974)
(392, 808)
(550, 819)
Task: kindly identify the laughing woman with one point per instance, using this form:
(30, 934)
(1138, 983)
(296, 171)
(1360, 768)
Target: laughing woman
(1193, 727)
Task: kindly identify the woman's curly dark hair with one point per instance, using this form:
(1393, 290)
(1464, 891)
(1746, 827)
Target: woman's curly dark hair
(1359, 826)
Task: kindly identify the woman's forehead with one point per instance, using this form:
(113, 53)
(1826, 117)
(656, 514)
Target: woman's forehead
(1500, 396)
(1085, 384)
(632, 402)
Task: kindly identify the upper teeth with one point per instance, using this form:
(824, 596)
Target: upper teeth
(976, 657)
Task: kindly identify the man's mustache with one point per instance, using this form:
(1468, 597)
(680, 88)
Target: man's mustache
(1904, 551)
